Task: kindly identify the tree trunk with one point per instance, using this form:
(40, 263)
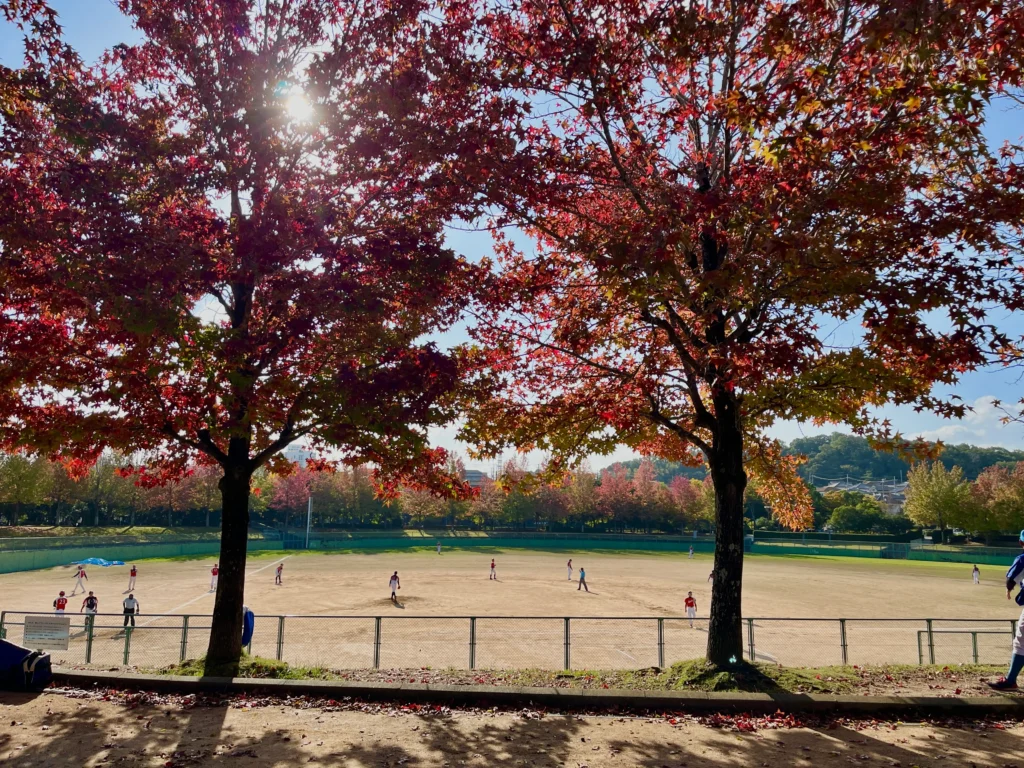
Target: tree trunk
(97, 507)
(725, 628)
(225, 647)
(207, 517)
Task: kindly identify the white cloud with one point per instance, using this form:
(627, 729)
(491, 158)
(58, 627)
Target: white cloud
(983, 425)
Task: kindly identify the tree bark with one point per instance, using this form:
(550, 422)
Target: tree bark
(225, 648)
(725, 628)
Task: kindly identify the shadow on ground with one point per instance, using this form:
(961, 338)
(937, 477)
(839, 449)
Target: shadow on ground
(54, 730)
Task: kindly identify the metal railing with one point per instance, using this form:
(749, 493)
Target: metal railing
(525, 642)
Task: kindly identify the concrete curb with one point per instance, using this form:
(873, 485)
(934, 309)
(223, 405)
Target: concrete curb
(558, 698)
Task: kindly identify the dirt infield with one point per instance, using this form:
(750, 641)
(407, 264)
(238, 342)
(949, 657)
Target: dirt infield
(627, 591)
(84, 729)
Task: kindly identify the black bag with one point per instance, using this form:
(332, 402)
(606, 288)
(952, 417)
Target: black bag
(22, 669)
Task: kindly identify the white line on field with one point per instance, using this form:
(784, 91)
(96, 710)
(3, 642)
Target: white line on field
(206, 594)
(625, 654)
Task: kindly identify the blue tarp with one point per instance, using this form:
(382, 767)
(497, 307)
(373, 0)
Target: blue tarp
(98, 561)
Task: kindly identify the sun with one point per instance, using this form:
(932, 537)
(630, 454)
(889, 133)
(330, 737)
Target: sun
(298, 106)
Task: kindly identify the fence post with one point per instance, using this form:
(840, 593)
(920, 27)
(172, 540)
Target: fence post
(88, 640)
(842, 642)
(974, 645)
(376, 643)
(280, 637)
(920, 650)
(661, 643)
(931, 642)
(127, 643)
(3, 630)
(472, 643)
(184, 640)
(750, 639)
(568, 657)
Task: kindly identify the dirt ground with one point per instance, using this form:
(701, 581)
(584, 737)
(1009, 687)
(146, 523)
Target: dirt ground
(83, 729)
(530, 583)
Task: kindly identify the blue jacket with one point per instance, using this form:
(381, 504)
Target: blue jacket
(1015, 577)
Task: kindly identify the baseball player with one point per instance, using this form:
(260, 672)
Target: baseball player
(1014, 578)
(691, 607)
(79, 576)
(691, 552)
(494, 572)
(976, 575)
(277, 574)
(214, 573)
(60, 604)
(91, 606)
(569, 566)
(131, 577)
(395, 586)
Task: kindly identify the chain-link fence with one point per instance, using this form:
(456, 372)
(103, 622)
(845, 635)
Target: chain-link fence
(507, 642)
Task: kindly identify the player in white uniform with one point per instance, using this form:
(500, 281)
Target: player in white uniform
(60, 604)
(395, 585)
(439, 547)
(976, 575)
(214, 575)
(131, 578)
(569, 566)
(1015, 578)
(78, 580)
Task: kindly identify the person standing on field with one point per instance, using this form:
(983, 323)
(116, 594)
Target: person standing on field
(1014, 578)
(976, 575)
(60, 604)
(494, 572)
(569, 565)
(131, 578)
(439, 547)
(131, 607)
(583, 580)
(91, 606)
(78, 580)
(691, 607)
(277, 575)
(691, 552)
(214, 573)
(395, 586)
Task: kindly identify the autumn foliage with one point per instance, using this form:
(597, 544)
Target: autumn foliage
(742, 213)
(229, 237)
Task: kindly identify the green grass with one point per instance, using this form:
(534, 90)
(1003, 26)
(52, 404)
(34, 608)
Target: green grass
(694, 675)
(253, 667)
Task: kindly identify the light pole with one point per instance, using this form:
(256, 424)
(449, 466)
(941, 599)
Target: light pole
(309, 519)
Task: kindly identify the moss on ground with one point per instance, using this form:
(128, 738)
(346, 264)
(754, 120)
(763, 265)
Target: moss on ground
(694, 675)
(250, 667)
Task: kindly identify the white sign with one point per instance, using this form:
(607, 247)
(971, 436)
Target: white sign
(47, 633)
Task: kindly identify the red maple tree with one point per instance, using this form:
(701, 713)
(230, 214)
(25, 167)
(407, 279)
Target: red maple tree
(715, 190)
(229, 236)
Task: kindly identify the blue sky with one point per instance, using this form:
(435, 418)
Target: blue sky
(92, 26)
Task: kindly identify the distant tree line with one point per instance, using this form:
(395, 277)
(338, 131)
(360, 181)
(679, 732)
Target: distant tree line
(642, 496)
(838, 455)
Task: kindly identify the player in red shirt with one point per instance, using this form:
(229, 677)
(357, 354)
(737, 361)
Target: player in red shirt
(131, 578)
(214, 572)
(494, 572)
(277, 577)
(60, 604)
(78, 580)
(691, 607)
